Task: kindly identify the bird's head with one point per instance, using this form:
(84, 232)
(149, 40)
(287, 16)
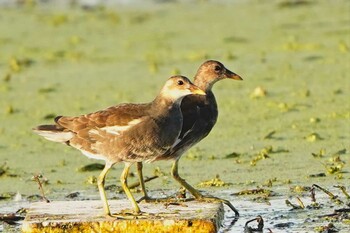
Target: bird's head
(178, 86)
(212, 71)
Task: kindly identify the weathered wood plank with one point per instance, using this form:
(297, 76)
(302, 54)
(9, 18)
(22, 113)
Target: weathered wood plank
(86, 216)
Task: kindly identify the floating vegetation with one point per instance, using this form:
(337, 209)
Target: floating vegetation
(330, 228)
(75, 40)
(232, 155)
(91, 180)
(320, 154)
(313, 137)
(194, 154)
(7, 77)
(230, 56)
(3, 169)
(176, 71)
(264, 154)
(295, 46)
(300, 189)
(253, 192)
(73, 195)
(343, 47)
(58, 19)
(216, 182)
(17, 65)
(7, 195)
(270, 134)
(294, 3)
(49, 116)
(46, 90)
(10, 109)
(91, 167)
(334, 164)
(197, 56)
(314, 120)
(258, 92)
(313, 58)
(235, 39)
(321, 174)
(159, 172)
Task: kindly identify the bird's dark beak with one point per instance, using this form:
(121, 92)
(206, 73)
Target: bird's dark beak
(231, 75)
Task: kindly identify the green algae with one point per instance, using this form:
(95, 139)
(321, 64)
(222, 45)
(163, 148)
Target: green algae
(294, 97)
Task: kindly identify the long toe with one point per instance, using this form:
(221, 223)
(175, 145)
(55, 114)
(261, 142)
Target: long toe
(223, 201)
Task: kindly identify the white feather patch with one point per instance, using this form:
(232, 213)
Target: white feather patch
(117, 129)
(55, 136)
(93, 156)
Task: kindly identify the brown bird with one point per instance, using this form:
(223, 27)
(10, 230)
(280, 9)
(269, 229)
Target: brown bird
(199, 116)
(126, 133)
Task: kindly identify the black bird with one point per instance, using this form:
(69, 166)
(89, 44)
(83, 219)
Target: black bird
(200, 114)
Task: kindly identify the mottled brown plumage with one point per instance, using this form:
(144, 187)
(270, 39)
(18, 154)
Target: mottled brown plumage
(127, 132)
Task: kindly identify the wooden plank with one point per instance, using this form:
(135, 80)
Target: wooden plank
(87, 216)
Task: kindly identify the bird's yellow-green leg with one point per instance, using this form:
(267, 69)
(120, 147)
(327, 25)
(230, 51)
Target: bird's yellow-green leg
(175, 174)
(145, 196)
(142, 182)
(195, 192)
(123, 180)
(101, 188)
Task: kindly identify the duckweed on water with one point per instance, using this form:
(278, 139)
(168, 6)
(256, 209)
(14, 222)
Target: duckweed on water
(97, 57)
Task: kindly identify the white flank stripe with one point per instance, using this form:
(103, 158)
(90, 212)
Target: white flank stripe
(117, 129)
(93, 156)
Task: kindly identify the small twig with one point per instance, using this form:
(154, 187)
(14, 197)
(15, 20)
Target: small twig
(295, 207)
(301, 203)
(136, 184)
(331, 195)
(260, 227)
(37, 179)
(313, 196)
(343, 189)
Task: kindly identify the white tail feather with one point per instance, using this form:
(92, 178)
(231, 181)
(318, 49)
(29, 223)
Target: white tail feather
(55, 136)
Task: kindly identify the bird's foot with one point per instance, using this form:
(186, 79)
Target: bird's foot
(217, 199)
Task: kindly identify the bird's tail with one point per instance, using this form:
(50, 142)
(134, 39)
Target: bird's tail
(54, 133)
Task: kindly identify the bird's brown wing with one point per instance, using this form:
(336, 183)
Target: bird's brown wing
(119, 115)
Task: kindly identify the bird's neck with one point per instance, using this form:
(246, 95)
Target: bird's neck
(162, 106)
(203, 84)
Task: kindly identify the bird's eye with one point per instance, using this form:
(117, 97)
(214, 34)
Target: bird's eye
(217, 68)
(180, 82)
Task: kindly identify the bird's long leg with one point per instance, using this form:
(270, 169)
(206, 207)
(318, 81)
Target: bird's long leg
(142, 182)
(195, 192)
(101, 189)
(123, 180)
(145, 196)
(176, 176)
